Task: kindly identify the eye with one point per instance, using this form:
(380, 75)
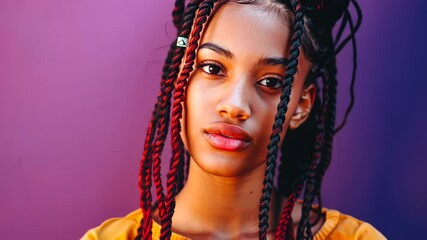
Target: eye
(271, 83)
(211, 68)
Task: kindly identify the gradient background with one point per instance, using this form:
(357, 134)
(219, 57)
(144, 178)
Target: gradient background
(78, 81)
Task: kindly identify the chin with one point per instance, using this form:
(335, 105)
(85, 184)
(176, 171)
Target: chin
(227, 165)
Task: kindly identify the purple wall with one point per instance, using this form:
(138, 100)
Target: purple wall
(78, 80)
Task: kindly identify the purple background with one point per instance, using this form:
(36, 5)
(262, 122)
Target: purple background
(78, 81)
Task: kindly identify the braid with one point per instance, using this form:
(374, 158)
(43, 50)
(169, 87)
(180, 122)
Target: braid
(285, 224)
(329, 123)
(146, 162)
(184, 171)
(145, 172)
(177, 145)
(164, 123)
(159, 120)
(178, 12)
(331, 73)
(309, 193)
(293, 166)
(326, 121)
(331, 69)
(323, 147)
(279, 120)
(353, 30)
(341, 30)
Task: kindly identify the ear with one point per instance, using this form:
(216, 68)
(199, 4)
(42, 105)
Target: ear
(304, 106)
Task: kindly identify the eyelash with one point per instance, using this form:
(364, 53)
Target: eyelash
(202, 66)
(279, 81)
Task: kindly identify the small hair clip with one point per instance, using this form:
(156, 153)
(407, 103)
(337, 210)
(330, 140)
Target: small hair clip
(182, 42)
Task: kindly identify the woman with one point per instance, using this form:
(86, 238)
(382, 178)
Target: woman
(233, 64)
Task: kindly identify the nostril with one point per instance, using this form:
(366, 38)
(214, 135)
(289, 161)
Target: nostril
(233, 112)
(242, 116)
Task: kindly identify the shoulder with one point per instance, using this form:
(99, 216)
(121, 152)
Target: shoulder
(116, 228)
(124, 228)
(342, 226)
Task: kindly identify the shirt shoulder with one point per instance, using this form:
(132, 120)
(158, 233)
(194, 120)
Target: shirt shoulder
(116, 228)
(123, 229)
(339, 226)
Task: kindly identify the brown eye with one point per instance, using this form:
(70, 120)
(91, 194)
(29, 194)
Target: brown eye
(212, 69)
(271, 82)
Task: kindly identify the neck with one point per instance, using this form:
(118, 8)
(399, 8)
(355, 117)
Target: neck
(225, 207)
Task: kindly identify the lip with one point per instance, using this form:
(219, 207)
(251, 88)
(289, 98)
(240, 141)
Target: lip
(227, 137)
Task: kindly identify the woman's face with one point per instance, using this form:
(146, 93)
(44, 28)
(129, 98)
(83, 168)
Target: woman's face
(234, 91)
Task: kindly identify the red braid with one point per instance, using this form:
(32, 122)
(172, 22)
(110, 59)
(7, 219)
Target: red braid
(160, 120)
(285, 223)
(177, 144)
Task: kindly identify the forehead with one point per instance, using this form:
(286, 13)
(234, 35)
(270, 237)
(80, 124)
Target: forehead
(248, 29)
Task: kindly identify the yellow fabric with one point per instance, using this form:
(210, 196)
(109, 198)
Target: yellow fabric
(337, 226)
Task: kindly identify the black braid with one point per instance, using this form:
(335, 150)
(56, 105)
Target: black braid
(323, 147)
(297, 150)
(353, 32)
(341, 30)
(309, 194)
(331, 72)
(353, 29)
(331, 69)
(323, 154)
(280, 119)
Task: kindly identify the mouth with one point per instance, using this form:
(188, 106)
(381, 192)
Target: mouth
(227, 137)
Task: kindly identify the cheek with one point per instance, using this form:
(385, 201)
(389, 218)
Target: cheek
(264, 118)
(184, 127)
(192, 114)
(272, 111)
(291, 108)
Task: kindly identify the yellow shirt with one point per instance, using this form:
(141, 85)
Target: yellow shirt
(337, 226)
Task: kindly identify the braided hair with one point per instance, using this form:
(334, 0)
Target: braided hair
(307, 152)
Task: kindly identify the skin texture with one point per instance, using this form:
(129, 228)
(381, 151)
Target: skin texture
(236, 88)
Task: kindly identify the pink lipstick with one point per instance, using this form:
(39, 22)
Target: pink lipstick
(227, 137)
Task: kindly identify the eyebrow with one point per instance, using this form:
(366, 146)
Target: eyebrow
(218, 49)
(273, 61)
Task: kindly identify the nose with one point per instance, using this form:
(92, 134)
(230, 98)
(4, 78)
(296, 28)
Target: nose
(234, 103)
